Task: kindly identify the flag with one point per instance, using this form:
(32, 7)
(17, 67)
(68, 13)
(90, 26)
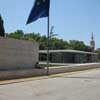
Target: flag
(40, 9)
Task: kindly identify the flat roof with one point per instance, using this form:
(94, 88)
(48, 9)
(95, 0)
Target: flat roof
(69, 51)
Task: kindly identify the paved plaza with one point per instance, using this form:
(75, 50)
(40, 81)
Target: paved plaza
(83, 85)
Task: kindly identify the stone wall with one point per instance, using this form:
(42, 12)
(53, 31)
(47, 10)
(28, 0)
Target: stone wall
(17, 54)
(13, 74)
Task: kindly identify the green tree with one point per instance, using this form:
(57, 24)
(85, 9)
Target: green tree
(77, 45)
(2, 30)
(32, 36)
(17, 34)
(55, 43)
(43, 43)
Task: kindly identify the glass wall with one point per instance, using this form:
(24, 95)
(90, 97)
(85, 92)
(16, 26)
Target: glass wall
(66, 57)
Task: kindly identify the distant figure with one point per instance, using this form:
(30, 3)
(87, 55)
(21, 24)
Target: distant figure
(2, 30)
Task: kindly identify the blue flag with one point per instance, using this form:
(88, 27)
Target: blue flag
(39, 10)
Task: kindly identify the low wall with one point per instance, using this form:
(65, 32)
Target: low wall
(76, 67)
(17, 54)
(40, 72)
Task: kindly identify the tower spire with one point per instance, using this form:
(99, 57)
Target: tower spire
(92, 37)
(92, 42)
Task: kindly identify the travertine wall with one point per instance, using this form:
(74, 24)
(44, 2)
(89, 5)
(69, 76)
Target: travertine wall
(17, 54)
(12, 74)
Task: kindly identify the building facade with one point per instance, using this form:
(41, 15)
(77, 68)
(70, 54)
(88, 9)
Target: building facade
(68, 56)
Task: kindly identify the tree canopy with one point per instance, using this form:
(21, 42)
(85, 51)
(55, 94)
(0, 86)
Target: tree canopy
(55, 43)
(2, 30)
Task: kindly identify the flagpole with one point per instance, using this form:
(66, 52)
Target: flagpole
(48, 38)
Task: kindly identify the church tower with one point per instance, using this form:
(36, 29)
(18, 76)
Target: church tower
(92, 43)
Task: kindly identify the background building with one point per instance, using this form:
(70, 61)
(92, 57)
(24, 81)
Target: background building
(68, 56)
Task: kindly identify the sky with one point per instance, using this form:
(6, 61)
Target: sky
(72, 19)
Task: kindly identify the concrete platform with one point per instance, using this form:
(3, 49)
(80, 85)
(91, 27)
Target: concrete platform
(12, 74)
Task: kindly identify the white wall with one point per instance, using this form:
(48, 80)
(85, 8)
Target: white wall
(17, 54)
